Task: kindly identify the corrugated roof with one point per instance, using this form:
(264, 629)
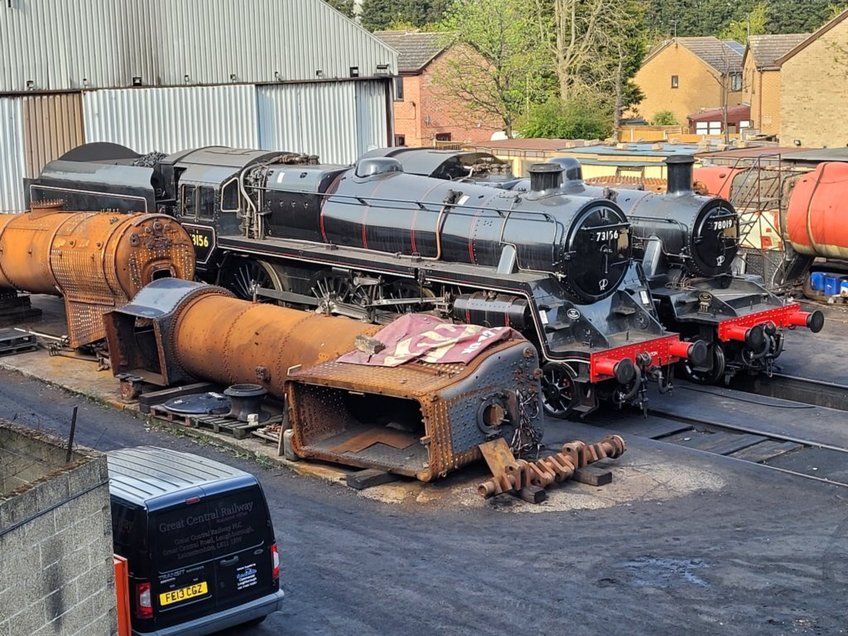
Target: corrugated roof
(735, 114)
(723, 56)
(77, 44)
(415, 49)
(767, 49)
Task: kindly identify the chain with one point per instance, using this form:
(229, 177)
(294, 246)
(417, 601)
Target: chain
(527, 439)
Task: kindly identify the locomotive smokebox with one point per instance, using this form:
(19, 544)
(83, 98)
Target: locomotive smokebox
(680, 174)
(96, 261)
(545, 176)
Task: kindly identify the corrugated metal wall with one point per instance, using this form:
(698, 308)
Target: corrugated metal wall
(12, 162)
(73, 44)
(52, 126)
(371, 116)
(338, 121)
(172, 119)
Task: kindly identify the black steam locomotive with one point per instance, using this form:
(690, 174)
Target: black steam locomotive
(685, 244)
(370, 241)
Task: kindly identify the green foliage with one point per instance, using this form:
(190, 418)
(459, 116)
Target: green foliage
(498, 66)
(666, 18)
(753, 24)
(379, 15)
(343, 6)
(584, 117)
(664, 118)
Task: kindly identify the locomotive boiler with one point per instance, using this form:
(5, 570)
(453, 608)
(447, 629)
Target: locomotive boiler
(370, 242)
(421, 419)
(94, 261)
(685, 244)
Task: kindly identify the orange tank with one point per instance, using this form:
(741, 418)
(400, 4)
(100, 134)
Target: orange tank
(97, 261)
(817, 217)
(715, 180)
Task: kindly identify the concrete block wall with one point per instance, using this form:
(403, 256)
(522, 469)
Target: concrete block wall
(56, 571)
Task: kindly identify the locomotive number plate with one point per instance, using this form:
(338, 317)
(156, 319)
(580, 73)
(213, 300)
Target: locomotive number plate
(203, 239)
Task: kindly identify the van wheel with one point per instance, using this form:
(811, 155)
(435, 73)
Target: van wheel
(254, 622)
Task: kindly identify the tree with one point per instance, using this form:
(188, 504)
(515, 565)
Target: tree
(343, 6)
(664, 118)
(598, 46)
(497, 66)
(379, 15)
(753, 24)
(584, 117)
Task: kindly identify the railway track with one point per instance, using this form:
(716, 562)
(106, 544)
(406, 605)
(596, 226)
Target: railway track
(754, 439)
(804, 390)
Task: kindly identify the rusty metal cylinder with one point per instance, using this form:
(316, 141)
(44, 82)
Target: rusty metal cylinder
(95, 260)
(50, 252)
(231, 341)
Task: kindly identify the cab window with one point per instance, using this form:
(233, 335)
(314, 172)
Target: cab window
(188, 201)
(229, 197)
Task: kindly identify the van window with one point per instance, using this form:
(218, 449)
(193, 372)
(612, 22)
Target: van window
(209, 529)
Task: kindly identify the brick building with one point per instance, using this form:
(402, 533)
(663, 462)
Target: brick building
(424, 114)
(687, 75)
(761, 77)
(814, 88)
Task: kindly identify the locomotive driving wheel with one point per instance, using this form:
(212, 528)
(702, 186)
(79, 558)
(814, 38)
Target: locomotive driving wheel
(558, 389)
(713, 374)
(242, 275)
(404, 289)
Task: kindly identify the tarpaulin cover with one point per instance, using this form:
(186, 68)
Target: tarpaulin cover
(429, 339)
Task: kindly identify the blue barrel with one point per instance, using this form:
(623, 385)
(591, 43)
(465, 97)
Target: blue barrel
(817, 281)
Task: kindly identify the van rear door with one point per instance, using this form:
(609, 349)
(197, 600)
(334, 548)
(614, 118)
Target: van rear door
(211, 553)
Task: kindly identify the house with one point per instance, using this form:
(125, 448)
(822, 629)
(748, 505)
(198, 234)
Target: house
(424, 115)
(711, 121)
(761, 77)
(814, 88)
(687, 75)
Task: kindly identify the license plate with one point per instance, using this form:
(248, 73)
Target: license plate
(184, 593)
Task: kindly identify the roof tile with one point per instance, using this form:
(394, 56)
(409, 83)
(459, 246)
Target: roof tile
(415, 49)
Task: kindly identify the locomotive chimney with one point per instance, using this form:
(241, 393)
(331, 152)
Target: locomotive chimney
(680, 174)
(545, 176)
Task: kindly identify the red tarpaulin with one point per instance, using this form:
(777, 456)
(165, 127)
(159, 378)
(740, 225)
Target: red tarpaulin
(429, 339)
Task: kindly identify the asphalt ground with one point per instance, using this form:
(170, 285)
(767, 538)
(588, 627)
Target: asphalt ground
(679, 542)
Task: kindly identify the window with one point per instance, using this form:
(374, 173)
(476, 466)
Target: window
(398, 89)
(443, 136)
(400, 140)
(736, 81)
(675, 82)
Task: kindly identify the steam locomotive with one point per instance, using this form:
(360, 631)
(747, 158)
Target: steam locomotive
(370, 241)
(685, 244)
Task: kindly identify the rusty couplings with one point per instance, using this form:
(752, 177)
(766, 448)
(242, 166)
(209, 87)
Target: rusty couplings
(558, 467)
(96, 261)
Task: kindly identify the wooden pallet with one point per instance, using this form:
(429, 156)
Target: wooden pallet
(218, 423)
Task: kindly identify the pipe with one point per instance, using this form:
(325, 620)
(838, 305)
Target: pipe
(680, 173)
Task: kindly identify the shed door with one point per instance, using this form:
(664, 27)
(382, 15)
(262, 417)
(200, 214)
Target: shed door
(52, 126)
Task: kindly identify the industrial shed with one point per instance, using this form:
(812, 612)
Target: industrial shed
(165, 75)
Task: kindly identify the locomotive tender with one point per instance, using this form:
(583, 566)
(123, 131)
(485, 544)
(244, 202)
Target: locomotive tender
(685, 244)
(370, 241)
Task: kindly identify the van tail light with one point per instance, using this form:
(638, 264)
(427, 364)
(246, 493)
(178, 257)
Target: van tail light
(275, 562)
(143, 601)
